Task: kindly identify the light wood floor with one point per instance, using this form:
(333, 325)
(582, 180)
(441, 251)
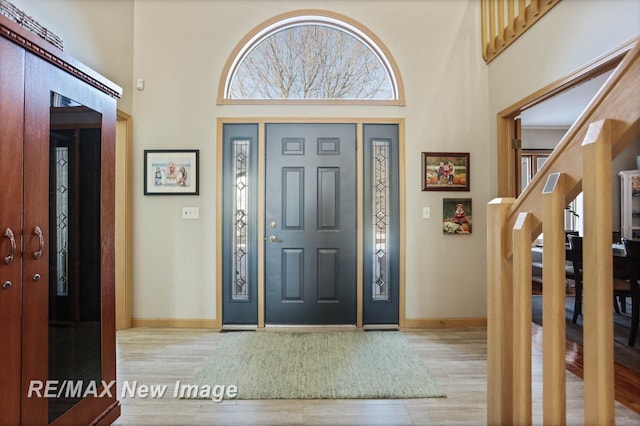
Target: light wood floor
(456, 357)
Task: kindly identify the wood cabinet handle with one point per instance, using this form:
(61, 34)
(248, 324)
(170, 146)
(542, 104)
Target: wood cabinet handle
(9, 234)
(37, 231)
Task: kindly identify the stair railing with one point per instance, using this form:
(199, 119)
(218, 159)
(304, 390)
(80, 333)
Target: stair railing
(503, 21)
(581, 162)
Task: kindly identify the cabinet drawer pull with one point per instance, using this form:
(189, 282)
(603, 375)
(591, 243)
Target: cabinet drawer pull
(37, 231)
(9, 234)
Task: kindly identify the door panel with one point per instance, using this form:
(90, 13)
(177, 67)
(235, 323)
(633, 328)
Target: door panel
(35, 292)
(68, 323)
(240, 225)
(11, 131)
(381, 246)
(310, 214)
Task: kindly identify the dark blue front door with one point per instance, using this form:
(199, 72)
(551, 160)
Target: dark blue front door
(310, 224)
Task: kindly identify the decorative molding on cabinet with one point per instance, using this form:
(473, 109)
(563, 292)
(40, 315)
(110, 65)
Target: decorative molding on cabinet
(34, 44)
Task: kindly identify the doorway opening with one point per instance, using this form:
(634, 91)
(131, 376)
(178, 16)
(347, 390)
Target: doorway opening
(558, 96)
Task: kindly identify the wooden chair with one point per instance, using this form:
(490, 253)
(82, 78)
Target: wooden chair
(633, 279)
(575, 257)
(622, 287)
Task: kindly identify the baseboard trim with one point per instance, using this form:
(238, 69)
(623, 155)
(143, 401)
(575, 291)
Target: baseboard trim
(175, 323)
(443, 322)
(215, 324)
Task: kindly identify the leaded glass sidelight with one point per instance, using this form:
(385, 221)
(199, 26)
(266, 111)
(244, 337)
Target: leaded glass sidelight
(62, 219)
(381, 184)
(241, 220)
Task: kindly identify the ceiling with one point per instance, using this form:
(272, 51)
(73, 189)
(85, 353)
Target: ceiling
(563, 109)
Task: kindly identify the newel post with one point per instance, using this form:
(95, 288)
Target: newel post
(499, 315)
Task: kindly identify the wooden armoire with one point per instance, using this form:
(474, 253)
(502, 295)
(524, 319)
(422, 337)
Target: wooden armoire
(57, 304)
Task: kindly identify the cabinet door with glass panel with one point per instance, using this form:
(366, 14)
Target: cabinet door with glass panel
(57, 301)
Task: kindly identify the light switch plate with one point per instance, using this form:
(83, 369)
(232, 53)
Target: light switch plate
(190, 212)
(426, 212)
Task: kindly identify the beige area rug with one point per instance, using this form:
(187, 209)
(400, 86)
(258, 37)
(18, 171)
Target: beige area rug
(319, 365)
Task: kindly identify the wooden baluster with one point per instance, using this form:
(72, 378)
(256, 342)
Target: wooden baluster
(501, 24)
(485, 30)
(522, 231)
(511, 19)
(553, 302)
(598, 275)
(492, 26)
(522, 13)
(534, 7)
(499, 316)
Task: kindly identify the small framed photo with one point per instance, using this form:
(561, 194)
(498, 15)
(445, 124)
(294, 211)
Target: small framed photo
(457, 216)
(171, 172)
(445, 171)
(635, 186)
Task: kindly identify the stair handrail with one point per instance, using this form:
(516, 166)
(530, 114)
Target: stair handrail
(606, 127)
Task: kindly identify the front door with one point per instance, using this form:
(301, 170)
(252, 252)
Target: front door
(310, 224)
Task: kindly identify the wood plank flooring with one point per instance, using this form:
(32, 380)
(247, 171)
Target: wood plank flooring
(456, 357)
(627, 381)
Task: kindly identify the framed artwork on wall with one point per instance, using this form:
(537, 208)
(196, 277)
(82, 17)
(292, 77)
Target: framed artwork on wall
(171, 172)
(457, 216)
(445, 171)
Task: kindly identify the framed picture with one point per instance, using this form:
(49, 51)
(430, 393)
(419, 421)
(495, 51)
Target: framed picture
(445, 171)
(635, 186)
(456, 216)
(171, 172)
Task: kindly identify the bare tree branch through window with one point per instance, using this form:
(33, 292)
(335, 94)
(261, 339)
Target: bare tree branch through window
(311, 62)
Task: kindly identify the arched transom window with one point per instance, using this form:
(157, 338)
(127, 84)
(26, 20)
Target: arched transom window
(311, 57)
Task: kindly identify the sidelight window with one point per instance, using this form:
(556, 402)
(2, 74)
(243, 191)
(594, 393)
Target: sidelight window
(381, 216)
(240, 257)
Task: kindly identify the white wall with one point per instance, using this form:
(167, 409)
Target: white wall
(536, 138)
(98, 33)
(180, 47)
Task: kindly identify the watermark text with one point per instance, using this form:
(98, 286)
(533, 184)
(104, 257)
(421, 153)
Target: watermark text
(129, 389)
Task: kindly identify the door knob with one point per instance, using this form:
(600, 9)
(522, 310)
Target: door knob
(7, 285)
(274, 239)
(37, 277)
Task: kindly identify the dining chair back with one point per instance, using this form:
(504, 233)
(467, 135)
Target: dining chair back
(575, 257)
(632, 247)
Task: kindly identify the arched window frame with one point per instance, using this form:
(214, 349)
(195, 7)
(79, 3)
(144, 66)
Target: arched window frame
(311, 17)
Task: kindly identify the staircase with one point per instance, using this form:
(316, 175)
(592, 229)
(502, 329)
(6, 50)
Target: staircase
(581, 162)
